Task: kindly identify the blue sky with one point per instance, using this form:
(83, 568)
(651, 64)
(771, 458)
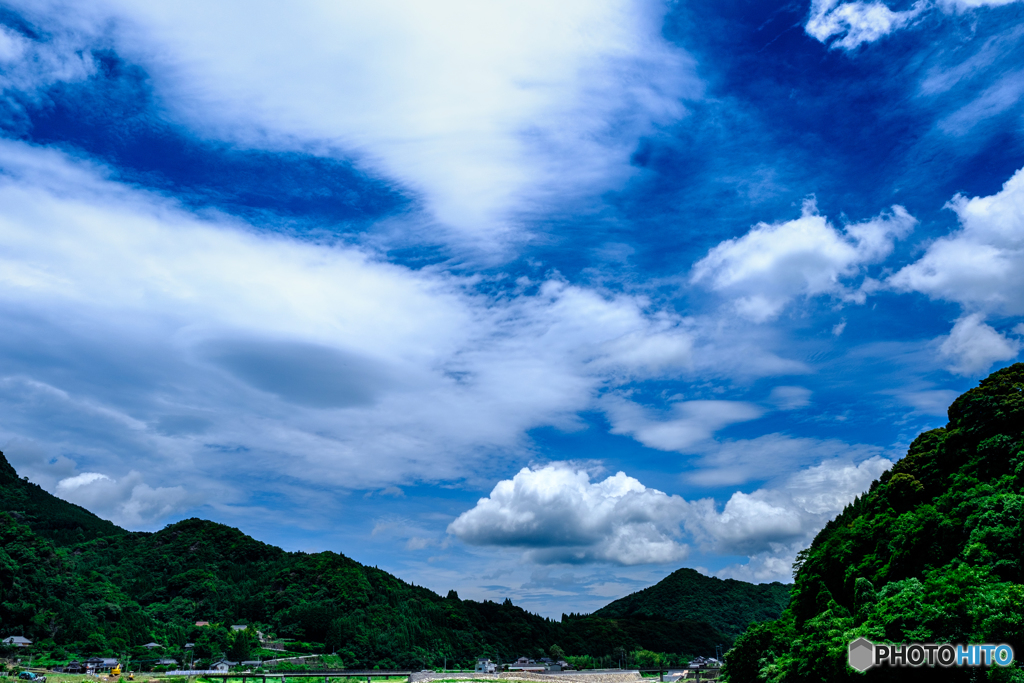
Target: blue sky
(529, 301)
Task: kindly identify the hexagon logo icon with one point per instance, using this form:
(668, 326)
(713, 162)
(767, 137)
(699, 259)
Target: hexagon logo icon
(862, 654)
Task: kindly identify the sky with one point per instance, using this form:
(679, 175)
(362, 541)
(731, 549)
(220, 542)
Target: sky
(528, 300)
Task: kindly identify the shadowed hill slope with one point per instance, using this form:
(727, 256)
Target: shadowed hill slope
(728, 605)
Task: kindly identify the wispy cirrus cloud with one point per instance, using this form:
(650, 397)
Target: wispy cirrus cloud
(485, 112)
(684, 425)
(321, 362)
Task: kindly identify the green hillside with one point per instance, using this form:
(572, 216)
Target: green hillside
(47, 515)
(728, 605)
(934, 552)
(79, 585)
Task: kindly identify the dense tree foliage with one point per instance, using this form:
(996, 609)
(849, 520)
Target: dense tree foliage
(81, 586)
(728, 605)
(932, 553)
(46, 515)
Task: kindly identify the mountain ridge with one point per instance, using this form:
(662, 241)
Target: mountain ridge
(80, 584)
(730, 605)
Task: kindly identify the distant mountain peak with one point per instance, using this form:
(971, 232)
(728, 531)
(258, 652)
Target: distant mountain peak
(727, 604)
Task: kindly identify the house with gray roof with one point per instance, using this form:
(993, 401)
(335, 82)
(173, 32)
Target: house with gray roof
(17, 641)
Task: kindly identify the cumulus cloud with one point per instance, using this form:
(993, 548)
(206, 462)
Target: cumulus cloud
(127, 501)
(848, 25)
(770, 521)
(557, 514)
(771, 265)
(981, 265)
(687, 423)
(765, 567)
(972, 346)
(479, 109)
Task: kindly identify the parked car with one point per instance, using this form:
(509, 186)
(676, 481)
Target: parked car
(29, 676)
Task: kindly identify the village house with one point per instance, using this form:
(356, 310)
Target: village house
(223, 665)
(150, 646)
(17, 641)
(527, 664)
(97, 664)
(485, 666)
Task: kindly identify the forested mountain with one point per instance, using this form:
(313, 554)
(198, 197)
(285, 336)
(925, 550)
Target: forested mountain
(48, 515)
(728, 605)
(934, 552)
(79, 585)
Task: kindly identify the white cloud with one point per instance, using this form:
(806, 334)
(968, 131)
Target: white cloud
(30, 66)
(770, 521)
(765, 567)
(127, 501)
(790, 398)
(994, 100)
(848, 25)
(558, 514)
(929, 401)
(766, 457)
(972, 346)
(687, 424)
(827, 488)
(855, 23)
(482, 109)
(973, 4)
(83, 479)
(773, 264)
(981, 265)
(318, 362)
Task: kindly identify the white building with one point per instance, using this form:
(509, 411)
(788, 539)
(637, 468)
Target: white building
(223, 665)
(485, 666)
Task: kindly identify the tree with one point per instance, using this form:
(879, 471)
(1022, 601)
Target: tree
(242, 644)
